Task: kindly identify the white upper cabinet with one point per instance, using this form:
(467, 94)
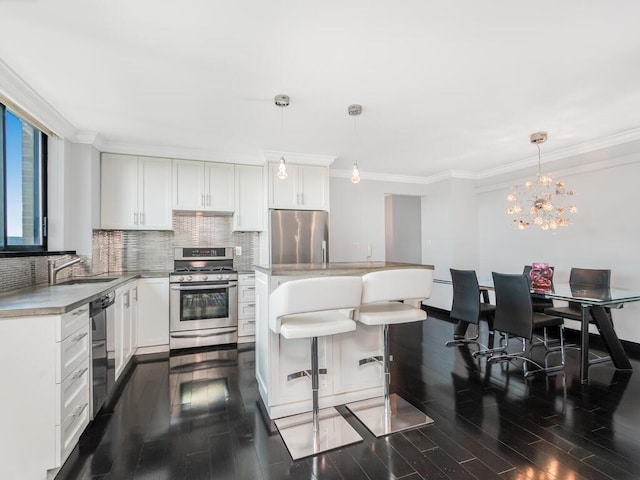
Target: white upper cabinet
(305, 188)
(203, 186)
(249, 213)
(135, 192)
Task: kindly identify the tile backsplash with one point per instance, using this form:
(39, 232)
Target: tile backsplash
(129, 250)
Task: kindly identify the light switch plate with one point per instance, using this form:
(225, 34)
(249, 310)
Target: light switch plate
(238, 250)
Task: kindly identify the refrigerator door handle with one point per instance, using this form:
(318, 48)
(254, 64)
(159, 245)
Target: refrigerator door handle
(324, 252)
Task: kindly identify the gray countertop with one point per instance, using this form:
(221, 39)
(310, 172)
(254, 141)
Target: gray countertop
(334, 268)
(63, 297)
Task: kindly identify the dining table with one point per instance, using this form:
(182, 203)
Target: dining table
(595, 304)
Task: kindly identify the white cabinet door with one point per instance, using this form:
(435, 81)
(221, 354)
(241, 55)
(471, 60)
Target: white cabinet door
(118, 329)
(125, 326)
(203, 186)
(133, 322)
(154, 193)
(153, 312)
(249, 212)
(305, 188)
(313, 184)
(219, 187)
(283, 193)
(119, 192)
(135, 193)
(188, 185)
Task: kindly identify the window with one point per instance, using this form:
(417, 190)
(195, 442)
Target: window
(23, 160)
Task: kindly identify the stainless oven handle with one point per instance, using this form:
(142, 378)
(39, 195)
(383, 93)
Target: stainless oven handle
(206, 287)
(191, 335)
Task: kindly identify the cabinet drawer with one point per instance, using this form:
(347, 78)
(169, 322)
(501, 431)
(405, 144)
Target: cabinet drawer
(72, 426)
(247, 311)
(71, 352)
(72, 321)
(247, 279)
(72, 390)
(246, 293)
(246, 327)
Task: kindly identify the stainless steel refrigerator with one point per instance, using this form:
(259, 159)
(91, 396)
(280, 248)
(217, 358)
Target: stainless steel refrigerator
(299, 236)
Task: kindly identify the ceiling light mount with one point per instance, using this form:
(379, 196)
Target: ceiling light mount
(354, 109)
(538, 137)
(282, 100)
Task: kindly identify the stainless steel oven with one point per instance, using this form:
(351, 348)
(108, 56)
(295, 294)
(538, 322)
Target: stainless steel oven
(203, 298)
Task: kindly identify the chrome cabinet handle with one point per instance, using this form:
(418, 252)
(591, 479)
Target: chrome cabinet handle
(80, 312)
(79, 411)
(80, 373)
(202, 199)
(135, 218)
(250, 288)
(80, 337)
(251, 304)
(141, 218)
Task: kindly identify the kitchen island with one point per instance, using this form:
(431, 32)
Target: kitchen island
(276, 357)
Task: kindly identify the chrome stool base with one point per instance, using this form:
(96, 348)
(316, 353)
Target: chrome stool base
(334, 432)
(402, 415)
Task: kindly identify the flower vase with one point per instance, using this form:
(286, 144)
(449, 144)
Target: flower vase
(541, 276)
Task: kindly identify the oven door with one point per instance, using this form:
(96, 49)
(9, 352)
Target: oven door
(201, 306)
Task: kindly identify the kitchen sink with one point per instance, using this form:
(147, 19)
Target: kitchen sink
(80, 281)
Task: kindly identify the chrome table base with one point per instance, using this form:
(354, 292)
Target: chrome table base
(333, 432)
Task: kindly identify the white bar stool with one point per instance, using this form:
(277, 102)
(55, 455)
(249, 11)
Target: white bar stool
(309, 308)
(382, 295)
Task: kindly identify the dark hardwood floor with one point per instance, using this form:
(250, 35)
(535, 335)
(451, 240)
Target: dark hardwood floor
(195, 416)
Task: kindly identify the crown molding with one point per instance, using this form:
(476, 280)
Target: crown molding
(184, 153)
(563, 153)
(299, 158)
(18, 91)
(385, 177)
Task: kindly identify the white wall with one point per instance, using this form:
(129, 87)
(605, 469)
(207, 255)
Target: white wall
(356, 219)
(403, 228)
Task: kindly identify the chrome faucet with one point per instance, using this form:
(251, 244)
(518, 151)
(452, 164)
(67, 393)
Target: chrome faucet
(53, 270)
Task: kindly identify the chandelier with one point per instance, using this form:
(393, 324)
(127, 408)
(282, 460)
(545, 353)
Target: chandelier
(544, 202)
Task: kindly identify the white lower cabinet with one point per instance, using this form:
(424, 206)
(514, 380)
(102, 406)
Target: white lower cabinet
(47, 391)
(276, 358)
(246, 308)
(125, 325)
(153, 315)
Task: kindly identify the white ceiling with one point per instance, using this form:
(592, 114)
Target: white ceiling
(455, 85)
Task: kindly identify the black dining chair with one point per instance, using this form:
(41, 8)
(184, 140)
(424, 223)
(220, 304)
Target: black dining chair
(589, 277)
(581, 276)
(467, 309)
(515, 317)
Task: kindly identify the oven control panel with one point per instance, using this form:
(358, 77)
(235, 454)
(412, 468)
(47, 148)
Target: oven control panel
(210, 277)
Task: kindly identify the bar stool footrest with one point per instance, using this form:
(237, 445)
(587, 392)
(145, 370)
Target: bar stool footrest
(376, 359)
(297, 433)
(305, 373)
(403, 415)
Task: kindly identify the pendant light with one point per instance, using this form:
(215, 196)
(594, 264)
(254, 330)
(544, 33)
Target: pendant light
(282, 101)
(355, 110)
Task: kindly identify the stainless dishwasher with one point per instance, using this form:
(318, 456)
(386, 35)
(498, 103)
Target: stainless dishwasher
(100, 370)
